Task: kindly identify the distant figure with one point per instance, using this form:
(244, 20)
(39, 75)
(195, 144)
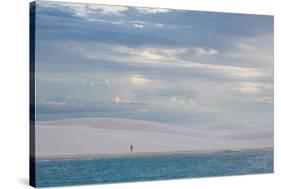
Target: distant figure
(132, 148)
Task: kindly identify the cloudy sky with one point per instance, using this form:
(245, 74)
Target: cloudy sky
(186, 68)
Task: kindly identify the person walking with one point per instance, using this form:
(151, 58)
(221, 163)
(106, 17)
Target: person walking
(132, 148)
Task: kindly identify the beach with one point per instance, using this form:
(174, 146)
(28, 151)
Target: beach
(111, 137)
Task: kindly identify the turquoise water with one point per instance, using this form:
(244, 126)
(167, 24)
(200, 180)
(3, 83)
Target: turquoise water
(112, 170)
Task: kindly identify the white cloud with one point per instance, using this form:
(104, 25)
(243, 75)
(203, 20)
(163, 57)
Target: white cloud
(85, 10)
(249, 88)
(146, 54)
(265, 99)
(117, 100)
(142, 24)
(164, 57)
(152, 10)
(108, 9)
(193, 102)
(138, 25)
(202, 51)
(139, 80)
(92, 83)
(212, 51)
(173, 100)
(180, 101)
(250, 51)
(254, 88)
(256, 50)
(159, 25)
(106, 82)
(52, 103)
(105, 21)
(99, 82)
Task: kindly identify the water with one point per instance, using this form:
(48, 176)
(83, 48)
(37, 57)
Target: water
(112, 170)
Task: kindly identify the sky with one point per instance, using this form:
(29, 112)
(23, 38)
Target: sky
(179, 67)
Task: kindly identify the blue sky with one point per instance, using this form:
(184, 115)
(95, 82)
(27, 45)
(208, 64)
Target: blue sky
(187, 68)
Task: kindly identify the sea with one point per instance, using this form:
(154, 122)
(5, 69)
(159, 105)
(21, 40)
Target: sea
(162, 167)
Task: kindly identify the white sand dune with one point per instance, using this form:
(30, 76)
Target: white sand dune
(114, 136)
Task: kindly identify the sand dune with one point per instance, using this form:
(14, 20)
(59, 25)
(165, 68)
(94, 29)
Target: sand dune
(74, 137)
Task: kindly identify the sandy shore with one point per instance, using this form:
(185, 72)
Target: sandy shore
(146, 154)
(110, 137)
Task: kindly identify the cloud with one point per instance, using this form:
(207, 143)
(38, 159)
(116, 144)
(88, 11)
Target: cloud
(159, 25)
(105, 21)
(202, 51)
(249, 88)
(109, 9)
(193, 102)
(144, 54)
(139, 80)
(152, 10)
(252, 51)
(144, 24)
(86, 11)
(100, 82)
(117, 100)
(180, 67)
(266, 99)
(254, 88)
(165, 57)
(51, 103)
(128, 23)
(138, 25)
(180, 101)
(173, 99)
